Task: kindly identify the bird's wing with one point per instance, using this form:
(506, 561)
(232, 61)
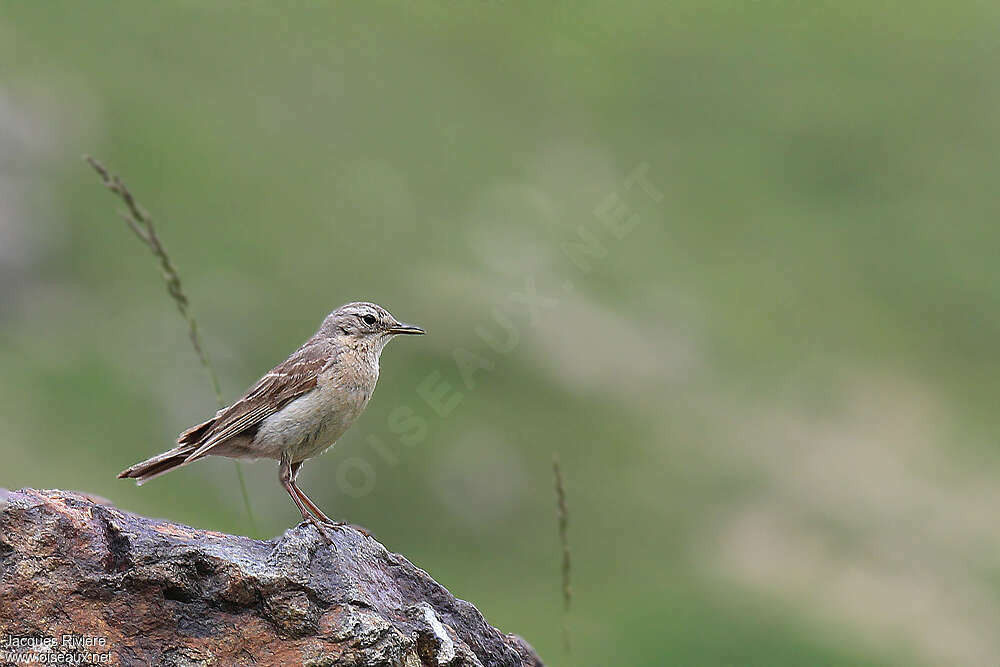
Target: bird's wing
(290, 379)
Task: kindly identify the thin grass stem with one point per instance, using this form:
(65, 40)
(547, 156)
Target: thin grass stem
(141, 223)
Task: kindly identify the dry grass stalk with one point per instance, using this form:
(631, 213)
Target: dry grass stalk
(562, 515)
(141, 223)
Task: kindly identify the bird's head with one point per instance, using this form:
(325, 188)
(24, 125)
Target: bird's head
(365, 325)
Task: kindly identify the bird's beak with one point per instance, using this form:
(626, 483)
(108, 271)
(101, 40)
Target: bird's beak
(401, 328)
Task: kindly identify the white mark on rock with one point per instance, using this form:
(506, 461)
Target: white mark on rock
(447, 652)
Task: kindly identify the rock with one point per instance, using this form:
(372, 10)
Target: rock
(77, 576)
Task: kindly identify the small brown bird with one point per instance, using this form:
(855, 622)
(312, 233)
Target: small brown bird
(299, 408)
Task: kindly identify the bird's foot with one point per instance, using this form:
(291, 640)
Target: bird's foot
(360, 529)
(344, 524)
(324, 529)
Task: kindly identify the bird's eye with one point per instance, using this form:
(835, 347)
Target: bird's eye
(369, 319)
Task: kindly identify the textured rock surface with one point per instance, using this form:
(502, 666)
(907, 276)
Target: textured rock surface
(165, 594)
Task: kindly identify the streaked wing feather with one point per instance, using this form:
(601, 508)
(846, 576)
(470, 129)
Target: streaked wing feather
(290, 379)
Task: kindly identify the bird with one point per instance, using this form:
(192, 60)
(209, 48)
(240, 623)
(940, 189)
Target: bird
(299, 408)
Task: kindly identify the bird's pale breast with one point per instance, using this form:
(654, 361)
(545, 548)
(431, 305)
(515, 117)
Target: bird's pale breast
(311, 423)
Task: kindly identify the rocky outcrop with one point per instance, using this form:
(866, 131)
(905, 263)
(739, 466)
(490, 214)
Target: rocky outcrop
(90, 581)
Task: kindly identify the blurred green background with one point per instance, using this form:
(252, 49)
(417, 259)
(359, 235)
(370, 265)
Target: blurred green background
(774, 396)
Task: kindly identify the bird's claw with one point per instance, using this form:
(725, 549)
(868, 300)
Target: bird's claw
(344, 524)
(322, 528)
(361, 530)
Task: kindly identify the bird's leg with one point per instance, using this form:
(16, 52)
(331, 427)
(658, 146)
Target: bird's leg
(286, 476)
(316, 511)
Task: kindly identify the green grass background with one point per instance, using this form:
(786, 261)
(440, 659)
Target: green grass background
(774, 399)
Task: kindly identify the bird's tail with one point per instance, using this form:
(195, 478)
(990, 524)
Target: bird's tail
(188, 442)
(160, 464)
